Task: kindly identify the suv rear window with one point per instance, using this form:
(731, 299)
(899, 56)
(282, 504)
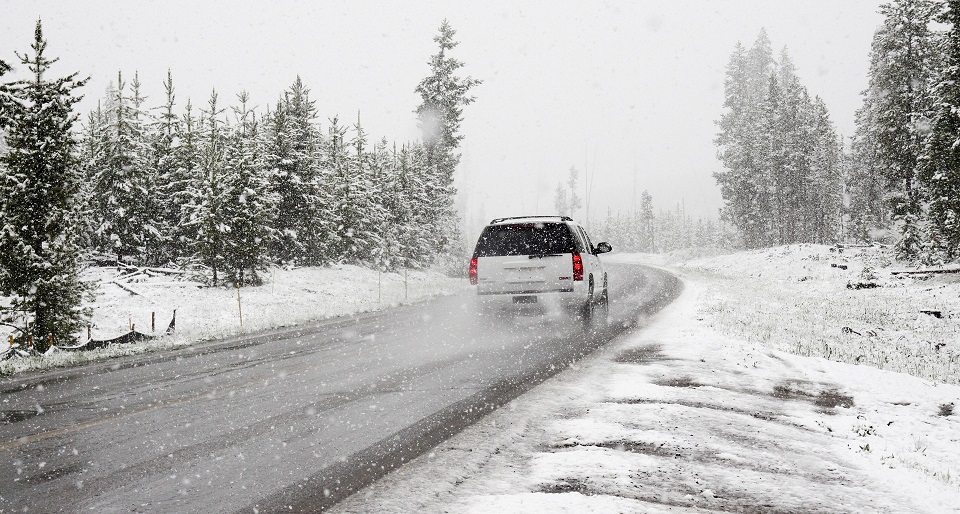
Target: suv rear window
(525, 239)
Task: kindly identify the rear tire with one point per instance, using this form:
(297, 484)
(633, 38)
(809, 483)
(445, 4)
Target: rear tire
(587, 310)
(602, 312)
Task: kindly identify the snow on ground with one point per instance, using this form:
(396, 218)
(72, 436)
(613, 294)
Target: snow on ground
(796, 298)
(707, 409)
(289, 297)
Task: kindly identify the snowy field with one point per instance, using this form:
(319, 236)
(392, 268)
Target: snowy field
(289, 297)
(746, 394)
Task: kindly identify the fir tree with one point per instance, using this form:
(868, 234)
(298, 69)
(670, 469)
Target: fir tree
(177, 190)
(248, 206)
(824, 203)
(940, 167)
(364, 202)
(902, 63)
(345, 193)
(741, 180)
(171, 181)
(5, 98)
(207, 216)
(293, 156)
(150, 216)
(781, 159)
(40, 258)
(124, 179)
(443, 95)
(647, 242)
(866, 187)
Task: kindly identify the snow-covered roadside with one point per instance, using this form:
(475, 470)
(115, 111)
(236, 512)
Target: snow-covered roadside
(289, 297)
(679, 417)
(804, 299)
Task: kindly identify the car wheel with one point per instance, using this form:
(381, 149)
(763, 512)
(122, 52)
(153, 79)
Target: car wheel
(602, 312)
(587, 310)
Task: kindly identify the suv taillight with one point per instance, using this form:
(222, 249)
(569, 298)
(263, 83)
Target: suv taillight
(473, 271)
(577, 267)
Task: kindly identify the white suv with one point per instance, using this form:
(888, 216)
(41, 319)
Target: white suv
(540, 261)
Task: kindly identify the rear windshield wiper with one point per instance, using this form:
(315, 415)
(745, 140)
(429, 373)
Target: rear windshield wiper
(542, 255)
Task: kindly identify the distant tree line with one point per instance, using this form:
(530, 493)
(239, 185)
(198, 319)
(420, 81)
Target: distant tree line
(782, 159)
(646, 231)
(227, 188)
(904, 164)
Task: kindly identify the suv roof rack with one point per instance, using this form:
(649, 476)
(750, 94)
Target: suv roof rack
(498, 220)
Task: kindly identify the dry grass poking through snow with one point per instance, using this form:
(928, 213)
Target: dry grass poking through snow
(796, 299)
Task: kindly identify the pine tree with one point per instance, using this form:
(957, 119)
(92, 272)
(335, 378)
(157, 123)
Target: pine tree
(443, 95)
(866, 188)
(178, 189)
(902, 62)
(248, 206)
(365, 199)
(150, 216)
(40, 258)
(940, 167)
(207, 216)
(647, 240)
(92, 157)
(742, 182)
(825, 198)
(124, 179)
(780, 181)
(5, 100)
(560, 201)
(292, 153)
(345, 193)
(171, 182)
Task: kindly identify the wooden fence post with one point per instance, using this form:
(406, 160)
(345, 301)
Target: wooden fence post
(239, 305)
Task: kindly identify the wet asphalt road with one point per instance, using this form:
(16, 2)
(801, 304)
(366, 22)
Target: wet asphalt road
(294, 419)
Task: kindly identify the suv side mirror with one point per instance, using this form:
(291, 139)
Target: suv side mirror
(603, 248)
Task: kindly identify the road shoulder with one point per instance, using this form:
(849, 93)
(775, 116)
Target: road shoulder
(676, 417)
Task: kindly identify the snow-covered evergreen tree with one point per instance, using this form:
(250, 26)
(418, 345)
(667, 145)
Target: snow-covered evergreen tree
(903, 60)
(207, 196)
(566, 201)
(741, 179)
(384, 177)
(940, 166)
(153, 249)
(5, 101)
(825, 200)
(781, 176)
(363, 202)
(177, 190)
(867, 210)
(292, 153)
(443, 95)
(170, 182)
(248, 205)
(40, 257)
(91, 157)
(124, 179)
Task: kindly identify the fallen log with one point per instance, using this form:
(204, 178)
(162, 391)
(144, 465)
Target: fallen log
(926, 271)
(130, 289)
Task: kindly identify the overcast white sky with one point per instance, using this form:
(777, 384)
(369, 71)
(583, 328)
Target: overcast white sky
(631, 89)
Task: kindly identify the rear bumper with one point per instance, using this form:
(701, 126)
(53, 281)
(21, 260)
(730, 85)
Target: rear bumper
(533, 300)
(524, 292)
